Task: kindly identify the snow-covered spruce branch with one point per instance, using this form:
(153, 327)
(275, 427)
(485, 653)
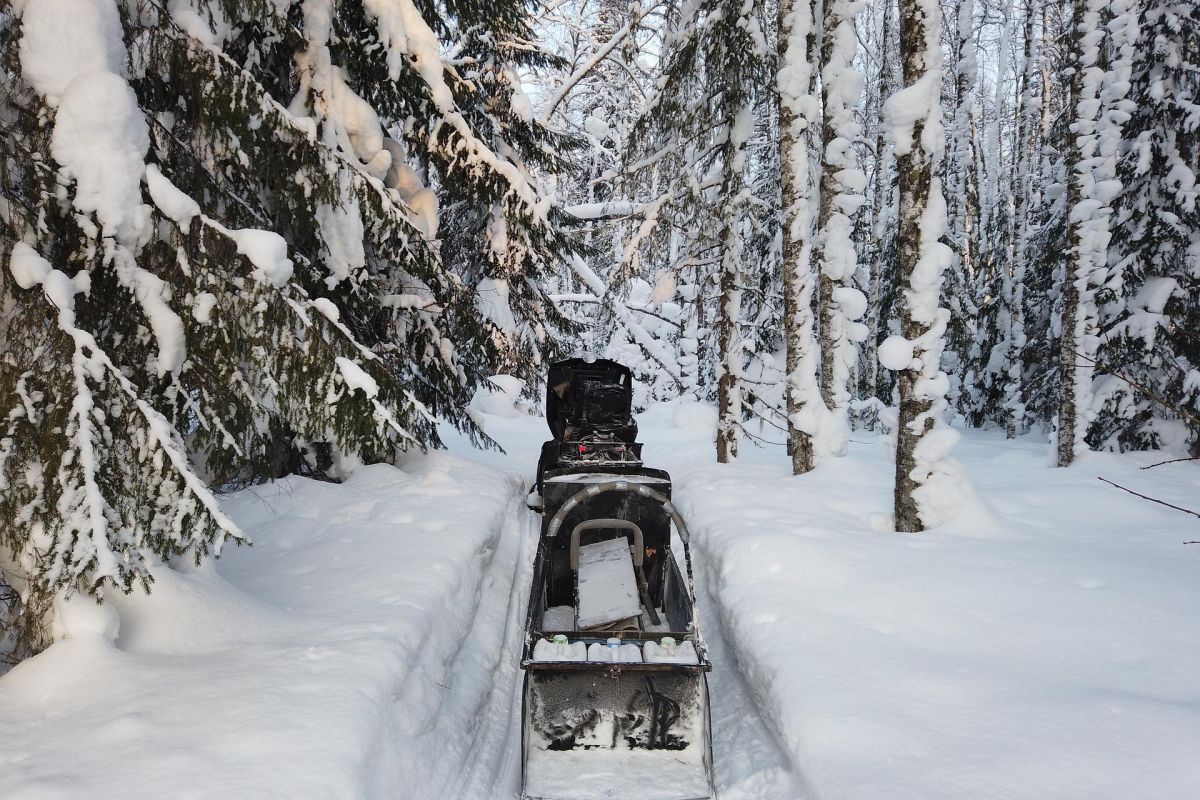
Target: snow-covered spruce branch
(266, 252)
(89, 361)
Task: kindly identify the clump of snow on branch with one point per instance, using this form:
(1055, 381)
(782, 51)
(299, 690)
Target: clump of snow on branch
(64, 39)
(100, 139)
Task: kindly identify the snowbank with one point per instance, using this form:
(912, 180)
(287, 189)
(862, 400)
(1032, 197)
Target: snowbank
(501, 397)
(1042, 645)
(314, 665)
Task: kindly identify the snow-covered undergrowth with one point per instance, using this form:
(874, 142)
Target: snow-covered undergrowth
(333, 659)
(1044, 644)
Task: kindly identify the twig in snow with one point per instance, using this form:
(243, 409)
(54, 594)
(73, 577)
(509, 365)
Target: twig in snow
(1151, 499)
(1172, 461)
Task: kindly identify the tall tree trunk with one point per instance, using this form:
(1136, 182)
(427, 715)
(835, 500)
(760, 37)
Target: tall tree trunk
(1088, 219)
(1014, 408)
(922, 262)
(729, 304)
(880, 211)
(841, 186)
(958, 291)
(796, 85)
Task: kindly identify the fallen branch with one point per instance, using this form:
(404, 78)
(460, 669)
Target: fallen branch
(1151, 499)
(1172, 461)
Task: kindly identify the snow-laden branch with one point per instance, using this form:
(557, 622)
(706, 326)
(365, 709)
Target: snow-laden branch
(644, 339)
(89, 361)
(586, 68)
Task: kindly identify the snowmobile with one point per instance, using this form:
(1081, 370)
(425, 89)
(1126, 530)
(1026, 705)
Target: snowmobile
(615, 701)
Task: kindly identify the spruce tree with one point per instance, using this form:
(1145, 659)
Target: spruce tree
(695, 133)
(1148, 390)
(220, 260)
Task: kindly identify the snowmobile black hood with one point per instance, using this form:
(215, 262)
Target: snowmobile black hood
(583, 392)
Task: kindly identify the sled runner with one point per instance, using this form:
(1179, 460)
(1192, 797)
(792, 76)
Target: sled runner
(615, 701)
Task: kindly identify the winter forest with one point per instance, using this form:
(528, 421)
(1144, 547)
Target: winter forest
(253, 244)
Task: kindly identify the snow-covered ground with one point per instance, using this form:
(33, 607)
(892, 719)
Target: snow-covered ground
(1044, 645)
(342, 656)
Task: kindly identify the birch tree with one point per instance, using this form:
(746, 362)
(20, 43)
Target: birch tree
(914, 114)
(798, 110)
(1093, 186)
(1029, 112)
(840, 303)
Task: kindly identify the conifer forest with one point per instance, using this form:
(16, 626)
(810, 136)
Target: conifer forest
(277, 275)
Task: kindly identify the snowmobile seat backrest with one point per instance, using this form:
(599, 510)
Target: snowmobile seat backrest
(639, 547)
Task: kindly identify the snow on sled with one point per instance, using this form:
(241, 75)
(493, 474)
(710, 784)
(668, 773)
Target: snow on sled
(615, 700)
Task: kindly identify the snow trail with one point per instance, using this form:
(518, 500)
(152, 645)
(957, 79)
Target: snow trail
(493, 762)
(747, 758)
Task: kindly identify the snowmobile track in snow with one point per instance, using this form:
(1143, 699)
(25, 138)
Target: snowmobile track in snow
(493, 760)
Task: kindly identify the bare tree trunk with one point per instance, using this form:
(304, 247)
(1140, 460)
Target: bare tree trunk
(1068, 410)
(1026, 139)
(826, 313)
(922, 322)
(841, 195)
(878, 212)
(729, 304)
(796, 79)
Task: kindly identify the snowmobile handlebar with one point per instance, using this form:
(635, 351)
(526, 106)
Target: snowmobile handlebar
(600, 524)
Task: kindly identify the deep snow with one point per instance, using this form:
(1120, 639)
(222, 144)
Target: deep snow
(1044, 645)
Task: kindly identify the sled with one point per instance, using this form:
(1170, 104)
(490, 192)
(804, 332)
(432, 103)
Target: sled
(615, 701)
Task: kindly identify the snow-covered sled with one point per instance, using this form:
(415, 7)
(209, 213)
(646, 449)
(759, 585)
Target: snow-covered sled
(615, 698)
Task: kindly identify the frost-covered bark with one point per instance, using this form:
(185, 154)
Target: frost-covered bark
(1098, 117)
(840, 303)
(1029, 112)
(798, 113)
(959, 289)
(729, 304)
(914, 113)
(880, 247)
